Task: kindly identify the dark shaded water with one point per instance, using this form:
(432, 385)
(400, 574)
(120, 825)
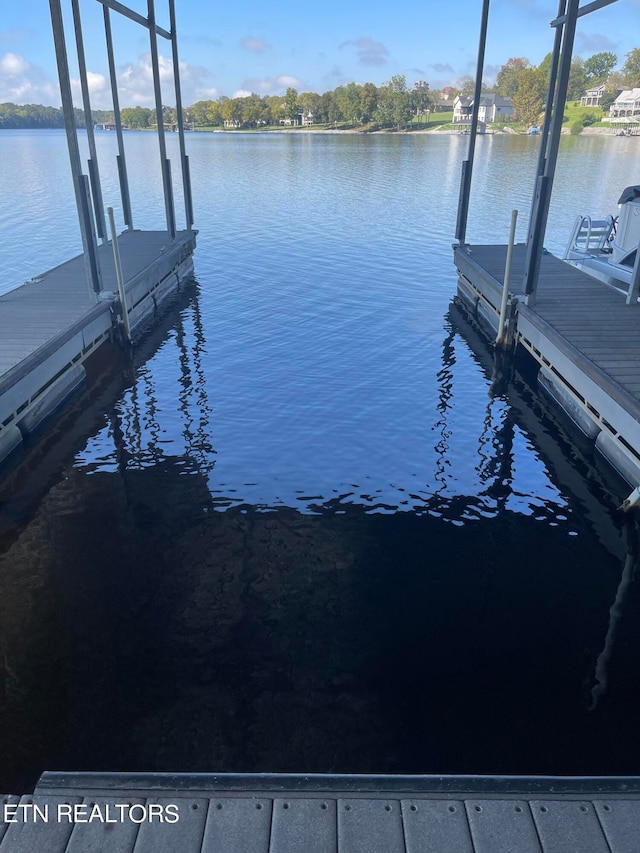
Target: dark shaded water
(301, 529)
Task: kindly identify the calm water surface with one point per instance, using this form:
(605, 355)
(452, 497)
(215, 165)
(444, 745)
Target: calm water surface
(300, 529)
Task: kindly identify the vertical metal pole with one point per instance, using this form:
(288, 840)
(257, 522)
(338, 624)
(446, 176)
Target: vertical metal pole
(122, 163)
(507, 279)
(634, 289)
(90, 249)
(467, 165)
(538, 224)
(548, 110)
(119, 276)
(168, 204)
(94, 174)
(186, 178)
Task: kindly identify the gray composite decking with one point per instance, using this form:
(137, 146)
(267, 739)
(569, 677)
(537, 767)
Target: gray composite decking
(325, 815)
(51, 324)
(579, 328)
(586, 313)
(56, 301)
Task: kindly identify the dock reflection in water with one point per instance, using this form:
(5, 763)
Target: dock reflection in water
(150, 622)
(302, 529)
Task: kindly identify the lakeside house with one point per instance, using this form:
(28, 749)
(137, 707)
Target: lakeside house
(593, 97)
(492, 108)
(626, 104)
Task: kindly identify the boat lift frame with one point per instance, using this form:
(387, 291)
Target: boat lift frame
(565, 27)
(91, 217)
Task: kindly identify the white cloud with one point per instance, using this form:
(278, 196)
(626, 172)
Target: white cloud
(271, 85)
(23, 83)
(135, 83)
(99, 91)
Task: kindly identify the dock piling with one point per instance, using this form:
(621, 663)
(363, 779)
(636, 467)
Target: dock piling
(119, 277)
(507, 280)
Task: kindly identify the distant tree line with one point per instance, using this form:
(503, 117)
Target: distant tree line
(29, 116)
(391, 105)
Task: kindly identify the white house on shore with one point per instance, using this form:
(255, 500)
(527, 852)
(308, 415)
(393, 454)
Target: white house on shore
(492, 108)
(626, 104)
(593, 97)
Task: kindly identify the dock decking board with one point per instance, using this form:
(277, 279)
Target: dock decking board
(52, 323)
(326, 822)
(581, 327)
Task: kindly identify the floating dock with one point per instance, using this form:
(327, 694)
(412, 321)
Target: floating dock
(53, 323)
(322, 814)
(583, 335)
(50, 325)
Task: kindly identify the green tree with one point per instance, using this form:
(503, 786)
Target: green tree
(394, 102)
(368, 101)
(509, 74)
(328, 110)
(528, 101)
(598, 67)
(545, 67)
(465, 85)
(231, 110)
(291, 104)
(630, 71)
(420, 98)
(137, 117)
(577, 79)
(308, 102)
(254, 111)
(274, 105)
(349, 102)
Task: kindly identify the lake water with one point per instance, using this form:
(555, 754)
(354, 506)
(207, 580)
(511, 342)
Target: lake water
(299, 529)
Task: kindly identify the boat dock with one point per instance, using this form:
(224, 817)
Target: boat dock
(265, 813)
(51, 324)
(583, 335)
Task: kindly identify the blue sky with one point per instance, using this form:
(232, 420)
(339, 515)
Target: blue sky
(252, 45)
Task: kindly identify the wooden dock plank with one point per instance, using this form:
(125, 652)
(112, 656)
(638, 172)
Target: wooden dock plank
(183, 836)
(620, 821)
(436, 826)
(502, 826)
(566, 826)
(308, 825)
(370, 826)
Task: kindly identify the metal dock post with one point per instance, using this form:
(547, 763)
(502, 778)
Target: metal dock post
(80, 182)
(165, 164)
(120, 157)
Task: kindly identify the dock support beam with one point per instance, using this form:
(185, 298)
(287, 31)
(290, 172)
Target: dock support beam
(186, 176)
(557, 95)
(80, 182)
(94, 173)
(165, 165)
(467, 165)
(120, 158)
